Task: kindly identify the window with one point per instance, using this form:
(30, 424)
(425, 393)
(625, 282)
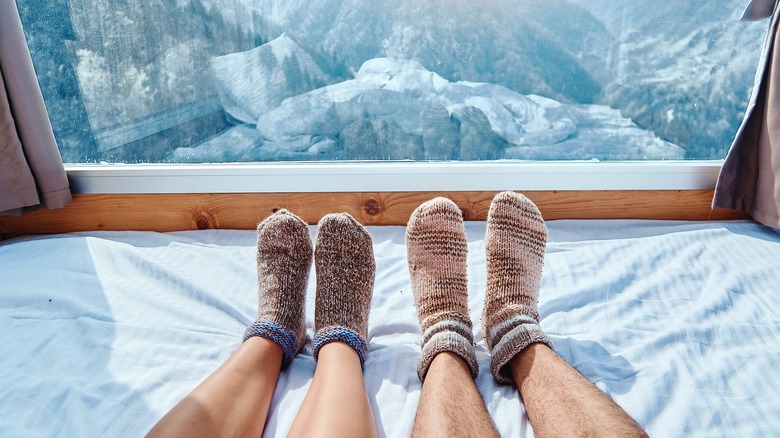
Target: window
(215, 81)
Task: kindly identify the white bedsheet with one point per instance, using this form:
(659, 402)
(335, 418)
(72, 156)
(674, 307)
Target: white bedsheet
(102, 333)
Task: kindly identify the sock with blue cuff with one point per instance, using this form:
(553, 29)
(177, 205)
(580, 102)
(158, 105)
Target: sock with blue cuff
(284, 257)
(345, 269)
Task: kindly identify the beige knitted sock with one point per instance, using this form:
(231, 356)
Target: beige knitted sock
(514, 243)
(284, 255)
(436, 248)
(344, 263)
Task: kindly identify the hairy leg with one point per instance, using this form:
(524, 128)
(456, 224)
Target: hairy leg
(337, 404)
(559, 400)
(450, 404)
(231, 402)
(562, 402)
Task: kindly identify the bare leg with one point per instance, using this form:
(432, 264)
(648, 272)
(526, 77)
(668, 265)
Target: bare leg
(450, 404)
(233, 401)
(337, 404)
(559, 400)
(562, 402)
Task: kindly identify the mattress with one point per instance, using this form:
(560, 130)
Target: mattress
(103, 332)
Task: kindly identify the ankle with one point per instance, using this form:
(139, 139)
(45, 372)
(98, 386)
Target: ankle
(342, 336)
(338, 349)
(449, 362)
(521, 364)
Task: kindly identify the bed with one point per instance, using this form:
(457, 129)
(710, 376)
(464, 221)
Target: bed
(103, 332)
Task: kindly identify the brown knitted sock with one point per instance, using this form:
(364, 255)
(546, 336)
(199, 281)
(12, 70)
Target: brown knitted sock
(284, 254)
(436, 248)
(514, 243)
(344, 262)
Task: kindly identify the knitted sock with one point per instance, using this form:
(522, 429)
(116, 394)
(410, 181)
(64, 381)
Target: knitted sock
(284, 254)
(436, 248)
(514, 242)
(344, 262)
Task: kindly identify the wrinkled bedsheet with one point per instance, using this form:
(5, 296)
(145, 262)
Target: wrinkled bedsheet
(102, 333)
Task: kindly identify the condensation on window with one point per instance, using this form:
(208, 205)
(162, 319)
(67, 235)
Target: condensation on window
(183, 81)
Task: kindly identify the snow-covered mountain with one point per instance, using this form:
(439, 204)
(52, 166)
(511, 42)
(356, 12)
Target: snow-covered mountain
(680, 70)
(135, 59)
(256, 81)
(521, 45)
(683, 69)
(396, 109)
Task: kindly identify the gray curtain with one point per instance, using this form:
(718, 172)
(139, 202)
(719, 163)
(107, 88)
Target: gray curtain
(750, 178)
(31, 169)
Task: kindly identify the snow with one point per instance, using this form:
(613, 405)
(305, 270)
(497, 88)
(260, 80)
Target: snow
(397, 109)
(253, 82)
(340, 79)
(402, 91)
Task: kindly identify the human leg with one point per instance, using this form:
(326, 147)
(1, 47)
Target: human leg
(515, 240)
(559, 400)
(336, 403)
(450, 404)
(234, 400)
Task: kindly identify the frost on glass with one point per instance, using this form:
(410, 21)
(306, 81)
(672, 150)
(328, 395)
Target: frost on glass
(268, 80)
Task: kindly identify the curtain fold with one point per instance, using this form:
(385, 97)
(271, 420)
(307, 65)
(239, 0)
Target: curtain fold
(758, 10)
(749, 180)
(31, 169)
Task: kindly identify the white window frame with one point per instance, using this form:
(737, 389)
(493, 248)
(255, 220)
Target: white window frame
(392, 177)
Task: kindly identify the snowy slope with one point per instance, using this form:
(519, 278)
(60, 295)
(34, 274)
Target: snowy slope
(683, 69)
(396, 109)
(256, 81)
(484, 41)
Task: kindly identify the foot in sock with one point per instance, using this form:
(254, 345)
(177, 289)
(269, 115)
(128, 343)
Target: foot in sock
(514, 244)
(284, 256)
(345, 269)
(437, 247)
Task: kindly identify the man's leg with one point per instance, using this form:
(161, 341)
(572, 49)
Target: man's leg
(234, 400)
(450, 404)
(561, 402)
(337, 404)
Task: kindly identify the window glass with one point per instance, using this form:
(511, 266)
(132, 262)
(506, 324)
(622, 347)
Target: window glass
(267, 80)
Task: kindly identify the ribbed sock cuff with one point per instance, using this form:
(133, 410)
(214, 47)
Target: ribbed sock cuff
(336, 333)
(511, 344)
(448, 341)
(276, 333)
(453, 335)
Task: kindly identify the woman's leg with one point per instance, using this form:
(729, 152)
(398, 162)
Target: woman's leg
(337, 404)
(234, 400)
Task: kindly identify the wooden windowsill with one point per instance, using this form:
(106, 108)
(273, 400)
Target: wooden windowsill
(177, 212)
